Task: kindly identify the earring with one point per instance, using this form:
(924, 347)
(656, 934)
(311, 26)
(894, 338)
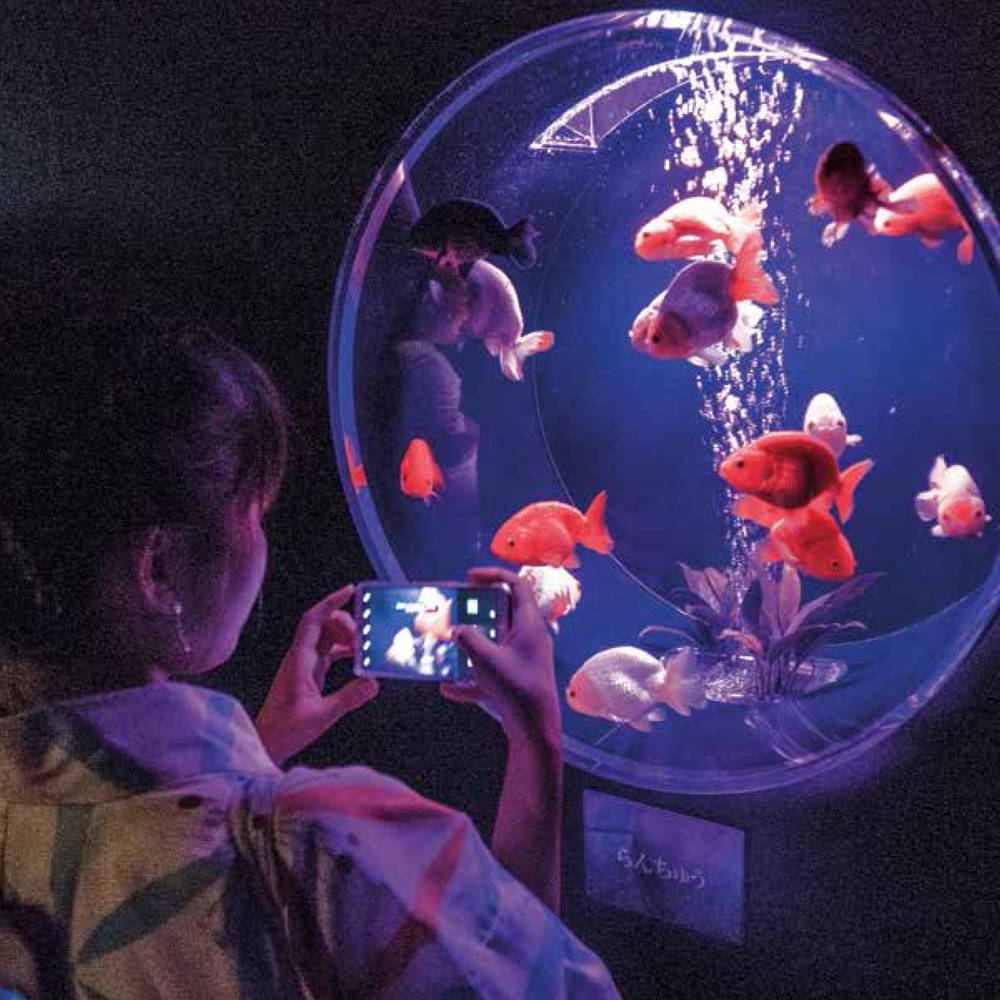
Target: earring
(181, 637)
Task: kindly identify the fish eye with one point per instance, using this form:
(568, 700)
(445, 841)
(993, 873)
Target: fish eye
(510, 543)
(840, 423)
(979, 513)
(835, 564)
(655, 338)
(811, 426)
(739, 463)
(946, 517)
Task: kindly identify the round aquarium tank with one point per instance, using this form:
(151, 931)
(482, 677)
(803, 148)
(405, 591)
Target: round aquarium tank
(696, 329)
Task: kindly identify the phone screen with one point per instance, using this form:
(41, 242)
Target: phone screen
(405, 631)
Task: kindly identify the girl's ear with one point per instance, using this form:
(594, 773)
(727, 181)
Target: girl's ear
(154, 559)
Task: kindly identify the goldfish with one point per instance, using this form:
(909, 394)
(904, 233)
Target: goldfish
(846, 189)
(434, 617)
(355, 469)
(825, 421)
(626, 684)
(556, 590)
(706, 304)
(403, 649)
(807, 538)
(954, 500)
(419, 475)
(791, 469)
(690, 228)
(923, 207)
(457, 233)
(546, 533)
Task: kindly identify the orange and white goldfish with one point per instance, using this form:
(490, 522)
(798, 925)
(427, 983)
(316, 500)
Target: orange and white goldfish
(434, 617)
(923, 207)
(790, 469)
(705, 305)
(355, 469)
(846, 189)
(626, 684)
(807, 538)
(403, 649)
(545, 533)
(954, 501)
(691, 227)
(556, 590)
(825, 421)
(419, 475)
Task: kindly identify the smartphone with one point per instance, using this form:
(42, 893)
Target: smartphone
(404, 631)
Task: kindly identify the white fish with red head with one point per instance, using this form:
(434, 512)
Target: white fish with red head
(954, 501)
(627, 685)
(556, 590)
(403, 649)
(825, 421)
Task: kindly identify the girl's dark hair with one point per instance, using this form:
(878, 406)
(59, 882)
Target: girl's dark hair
(109, 427)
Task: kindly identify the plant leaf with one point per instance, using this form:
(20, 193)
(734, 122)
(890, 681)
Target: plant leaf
(807, 640)
(718, 581)
(745, 639)
(751, 607)
(789, 595)
(698, 582)
(683, 596)
(827, 605)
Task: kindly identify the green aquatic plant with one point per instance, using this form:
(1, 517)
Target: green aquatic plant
(734, 615)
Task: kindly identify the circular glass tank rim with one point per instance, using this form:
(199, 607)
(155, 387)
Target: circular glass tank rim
(350, 279)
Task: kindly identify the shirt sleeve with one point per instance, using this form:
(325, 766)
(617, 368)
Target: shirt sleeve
(397, 896)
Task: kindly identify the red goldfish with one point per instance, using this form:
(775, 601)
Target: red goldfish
(807, 538)
(846, 189)
(355, 469)
(419, 474)
(923, 207)
(790, 469)
(545, 533)
(690, 227)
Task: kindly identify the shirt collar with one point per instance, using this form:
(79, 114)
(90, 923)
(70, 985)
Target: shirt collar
(124, 742)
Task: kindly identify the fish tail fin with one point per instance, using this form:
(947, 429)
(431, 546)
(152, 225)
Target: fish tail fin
(749, 280)
(595, 534)
(512, 358)
(965, 250)
(849, 480)
(834, 231)
(926, 505)
(682, 688)
(745, 221)
(521, 242)
(756, 510)
(747, 317)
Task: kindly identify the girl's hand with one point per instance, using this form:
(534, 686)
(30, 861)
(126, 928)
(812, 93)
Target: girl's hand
(516, 677)
(296, 712)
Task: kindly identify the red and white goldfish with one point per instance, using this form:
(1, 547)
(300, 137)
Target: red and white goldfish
(354, 468)
(455, 234)
(690, 228)
(626, 684)
(419, 475)
(790, 469)
(923, 207)
(825, 421)
(434, 617)
(705, 305)
(545, 533)
(954, 501)
(556, 590)
(806, 538)
(846, 189)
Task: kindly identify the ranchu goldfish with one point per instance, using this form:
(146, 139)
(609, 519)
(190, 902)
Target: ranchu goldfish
(455, 234)
(419, 475)
(923, 207)
(954, 501)
(704, 306)
(847, 190)
(790, 469)
(556, 590)
(807, 538)
(626, 684)
(434, 617)
(545, 533)
(825, 421)
(691, 227)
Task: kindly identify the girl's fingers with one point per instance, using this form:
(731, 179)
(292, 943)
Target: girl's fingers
(522, 596)
(464, 693)
(311, 624)
(350, 697)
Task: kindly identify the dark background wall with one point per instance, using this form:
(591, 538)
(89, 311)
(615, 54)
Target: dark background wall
(207, 158)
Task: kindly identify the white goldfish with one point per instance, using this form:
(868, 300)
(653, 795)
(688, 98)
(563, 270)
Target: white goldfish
(954, 501)
(434, 617)
(556, 590)
(403, 650)
(825, 421)
(626, 684)
(690, 227)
